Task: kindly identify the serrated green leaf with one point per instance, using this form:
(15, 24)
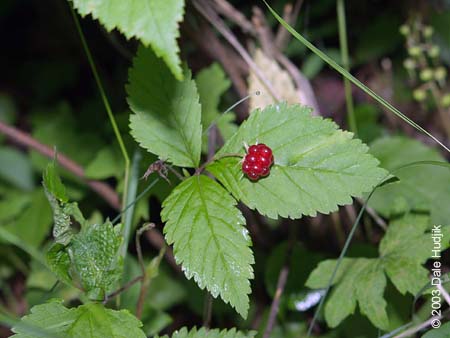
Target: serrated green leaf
(342, 301)
(62, 231)
(166, 119)
(321, 275)
(369, 291)
(94, 255)
(154, 22)
(209, 239)
(403, 250)
(53, 183)
(215, 333)
(212, 83)
(89, 321)
(59, 262)
(420, 188)
(317, 166)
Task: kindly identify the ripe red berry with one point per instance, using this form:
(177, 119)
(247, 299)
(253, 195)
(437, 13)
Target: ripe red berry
(257, 162)
(253, 149)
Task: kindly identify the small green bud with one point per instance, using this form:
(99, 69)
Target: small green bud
(428, 31)
(445, 100)
(409, 64)
(440, 73)
(414, 51)
(419, 95)
(426, 74)
(404, 30)
(434, 51)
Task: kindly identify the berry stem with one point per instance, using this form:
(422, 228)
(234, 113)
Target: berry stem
(205, 164)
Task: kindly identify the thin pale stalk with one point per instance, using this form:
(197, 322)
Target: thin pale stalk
(342, 26)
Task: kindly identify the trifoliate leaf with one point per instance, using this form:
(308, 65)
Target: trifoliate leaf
(203, 333)
(166, 119)
(154, 22)
(209, 239)
(88, 321)
(212, 84)
(95, 259)
(421, 188)
(317, 166)
(403, 250)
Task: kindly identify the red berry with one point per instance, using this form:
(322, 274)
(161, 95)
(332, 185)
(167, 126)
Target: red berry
(264, 150)
(246, 167)
(253, 176)
(257, 162)
(250, 158)
(257, 168)
(253, 149)
(264, 161)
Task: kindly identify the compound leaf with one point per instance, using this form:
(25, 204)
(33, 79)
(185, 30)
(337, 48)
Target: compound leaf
(209, 239)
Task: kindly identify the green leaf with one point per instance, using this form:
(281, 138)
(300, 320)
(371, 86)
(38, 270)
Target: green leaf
(419, 188)
(167, 112)
(95, 259)
(342, 301)
(215, 333)
(59, 262)
(442, 332)
(33, 224)
(154, 22)
(62, 231)
(89, 321)
(53, 184)
(212, 83)
(321, 275)
(403, 250)
(209, 239)
(107, 163)
(16, 168)
(317, 166)
(369, 291)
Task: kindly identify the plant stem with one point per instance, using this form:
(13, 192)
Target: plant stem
(24, 139)
(342, 25)
(105, 102)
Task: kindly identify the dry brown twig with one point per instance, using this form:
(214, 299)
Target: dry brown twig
(204, 8)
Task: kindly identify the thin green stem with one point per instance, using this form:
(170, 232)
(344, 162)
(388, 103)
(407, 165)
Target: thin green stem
(105, 102)
(342, 25)
(352, 79)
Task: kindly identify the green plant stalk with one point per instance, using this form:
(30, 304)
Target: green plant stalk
(342, 26)
(131, 196)
(105, 103)
(352, 79)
